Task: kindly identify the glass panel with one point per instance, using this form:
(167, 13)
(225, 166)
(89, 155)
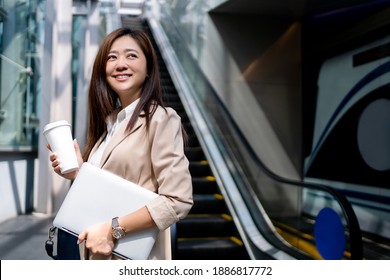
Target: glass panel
(21, 33)
(78, 49)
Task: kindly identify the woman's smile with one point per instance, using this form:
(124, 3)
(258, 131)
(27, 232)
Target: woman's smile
(122, 77)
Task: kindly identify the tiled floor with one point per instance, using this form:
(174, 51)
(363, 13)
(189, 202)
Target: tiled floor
(23, 237)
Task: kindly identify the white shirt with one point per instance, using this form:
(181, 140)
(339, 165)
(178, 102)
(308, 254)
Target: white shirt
(113, 126)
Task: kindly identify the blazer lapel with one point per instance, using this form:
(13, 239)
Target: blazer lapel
(119, 136)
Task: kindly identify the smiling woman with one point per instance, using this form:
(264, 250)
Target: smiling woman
(133, 135)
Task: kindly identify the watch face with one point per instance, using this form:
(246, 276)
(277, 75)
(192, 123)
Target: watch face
(118, 233)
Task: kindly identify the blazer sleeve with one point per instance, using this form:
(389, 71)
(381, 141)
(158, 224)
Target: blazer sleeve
(171, 170)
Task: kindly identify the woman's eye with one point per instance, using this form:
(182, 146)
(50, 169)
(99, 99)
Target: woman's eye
(132, 55)
(111, 57)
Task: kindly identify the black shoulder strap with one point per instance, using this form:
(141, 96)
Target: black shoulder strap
(49, 244)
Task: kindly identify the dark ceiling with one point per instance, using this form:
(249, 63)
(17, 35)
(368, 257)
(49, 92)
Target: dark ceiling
(292, 8)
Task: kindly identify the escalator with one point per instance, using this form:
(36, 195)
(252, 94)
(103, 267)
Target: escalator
(209, 231)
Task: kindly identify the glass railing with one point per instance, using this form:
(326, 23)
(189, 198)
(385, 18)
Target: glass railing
(295, 231)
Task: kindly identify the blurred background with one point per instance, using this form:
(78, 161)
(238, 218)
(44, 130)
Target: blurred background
(286, 104)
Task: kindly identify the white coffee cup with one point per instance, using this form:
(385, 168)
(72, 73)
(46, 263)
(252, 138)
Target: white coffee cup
(59, 136)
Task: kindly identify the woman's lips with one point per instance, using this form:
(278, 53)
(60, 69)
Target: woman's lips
(122, 77)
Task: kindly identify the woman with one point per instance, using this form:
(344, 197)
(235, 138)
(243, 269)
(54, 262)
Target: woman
(133, 135)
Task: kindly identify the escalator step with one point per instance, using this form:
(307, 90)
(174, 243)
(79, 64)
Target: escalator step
(199, 168)
(193, 141)
(208, 204)
(204, 185)
(190, 130)
(205, 226)
(182, 113)
(166, 84)
(169, 95)
(195, 153)
(176, 105)
(184, 118)
(169, 89)
(228, 248)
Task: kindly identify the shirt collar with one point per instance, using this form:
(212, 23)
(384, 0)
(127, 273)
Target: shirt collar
(123, 114)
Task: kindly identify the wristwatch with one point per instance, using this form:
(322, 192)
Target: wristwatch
(118, 232)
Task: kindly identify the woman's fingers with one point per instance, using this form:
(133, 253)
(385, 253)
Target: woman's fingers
(82, 236)
(53, 157)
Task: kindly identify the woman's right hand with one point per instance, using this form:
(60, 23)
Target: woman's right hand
(57, 165)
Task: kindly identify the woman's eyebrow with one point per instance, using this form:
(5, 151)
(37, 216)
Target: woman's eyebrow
(131, 50)
(125, 50)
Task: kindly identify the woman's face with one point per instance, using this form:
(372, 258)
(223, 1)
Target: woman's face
(126, 69)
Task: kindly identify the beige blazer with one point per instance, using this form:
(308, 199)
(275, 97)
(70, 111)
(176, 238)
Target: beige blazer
(155, 160)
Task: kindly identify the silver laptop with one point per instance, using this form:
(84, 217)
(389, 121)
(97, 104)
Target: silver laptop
(97, 196)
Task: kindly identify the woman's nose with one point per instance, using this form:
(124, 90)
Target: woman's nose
(121, 63)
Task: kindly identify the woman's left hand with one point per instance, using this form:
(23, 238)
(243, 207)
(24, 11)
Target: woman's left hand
(98, 238)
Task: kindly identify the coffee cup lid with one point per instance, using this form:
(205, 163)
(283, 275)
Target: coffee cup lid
(54, 124)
